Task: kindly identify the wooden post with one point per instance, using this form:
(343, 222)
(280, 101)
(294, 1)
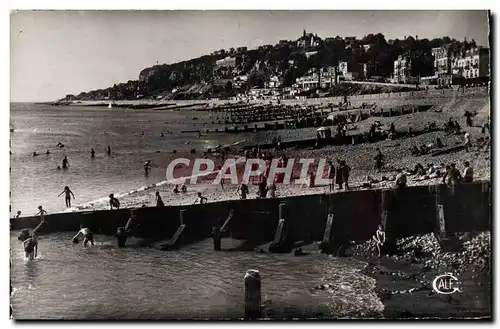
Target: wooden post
(216, 236)
(182, 216)
(252, 295)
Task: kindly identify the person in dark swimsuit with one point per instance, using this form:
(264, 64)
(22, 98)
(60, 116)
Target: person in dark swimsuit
(65, 162)
(68, 193)
(109, 151)
(114, 202)
(92, 153)
(159, 201)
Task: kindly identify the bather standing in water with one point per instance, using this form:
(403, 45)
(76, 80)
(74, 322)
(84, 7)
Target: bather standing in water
(147, 167)
(65, 162)
(109, 151)
(87, 234)
(30, 247)
(92, 153)
(68, 193)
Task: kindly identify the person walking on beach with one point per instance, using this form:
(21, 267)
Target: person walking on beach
(30, 246)
(114, 202)
(452, 175)
(159, 201)
(41, 212)
(92, 153)
(200, 199)
(331, 175)
(65, 162)
(87, 234)
(68, 195)
(243, 191)
(379, 160)
(345, 170)
(109, 151)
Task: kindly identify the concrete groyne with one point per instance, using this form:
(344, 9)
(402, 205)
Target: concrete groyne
(356, 216)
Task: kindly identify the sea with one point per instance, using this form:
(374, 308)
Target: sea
(68, 281)
(133, 135)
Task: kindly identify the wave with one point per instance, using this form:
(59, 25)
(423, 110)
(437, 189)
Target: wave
(100, 201)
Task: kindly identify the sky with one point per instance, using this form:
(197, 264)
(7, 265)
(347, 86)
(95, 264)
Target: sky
(54, 53)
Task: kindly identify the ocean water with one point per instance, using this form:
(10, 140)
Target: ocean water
(64, 282)
(36, 181)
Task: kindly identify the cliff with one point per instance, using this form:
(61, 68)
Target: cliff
(288, 60)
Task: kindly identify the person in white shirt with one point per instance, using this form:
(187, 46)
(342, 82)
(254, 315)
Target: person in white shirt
(87, 234)
(467, 141)
(468, 173)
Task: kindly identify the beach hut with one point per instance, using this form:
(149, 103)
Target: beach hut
(324, 133)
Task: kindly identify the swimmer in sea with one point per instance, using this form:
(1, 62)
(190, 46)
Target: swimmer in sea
(113, 202)
(92, 153)
(109, 151)
(147, 167)
(35, 154)
(162, 135)
(87, 234)
(68, 193)
(48, 152)
(65, 162)
(41, 212)
(30, 247)
(58, 167)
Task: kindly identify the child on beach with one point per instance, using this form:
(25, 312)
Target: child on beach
(159, 201)
(41, 212)
(113, 202)
(200, 199)
(68, 193)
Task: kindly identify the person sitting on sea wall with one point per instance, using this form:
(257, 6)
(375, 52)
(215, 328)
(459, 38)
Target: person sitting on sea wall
(18, 214)
(42, 213)
(159, 201)
(468, 176)
(200, 199)
(114, 203)
(87, 234)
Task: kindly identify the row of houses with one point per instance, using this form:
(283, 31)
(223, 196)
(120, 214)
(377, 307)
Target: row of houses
(450, 66)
